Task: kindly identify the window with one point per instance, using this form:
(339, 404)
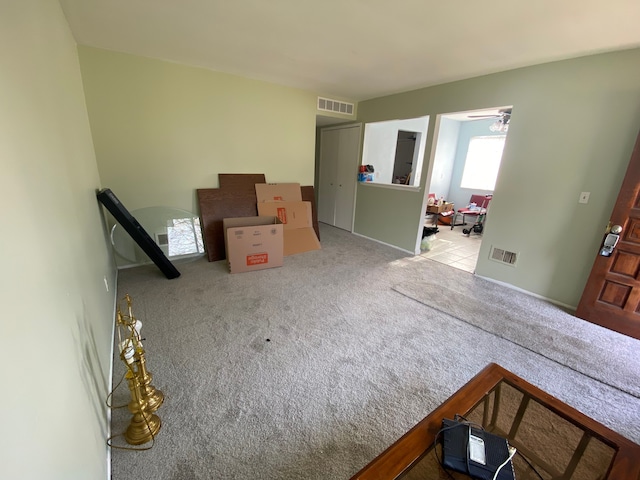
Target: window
(483, 162)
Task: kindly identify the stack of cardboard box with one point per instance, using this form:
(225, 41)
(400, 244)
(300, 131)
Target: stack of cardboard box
(284, 227)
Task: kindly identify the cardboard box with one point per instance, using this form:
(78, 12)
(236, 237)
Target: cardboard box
(278, 192)
(445, 207)
(295, 214)
(253, 243)
(299, 235)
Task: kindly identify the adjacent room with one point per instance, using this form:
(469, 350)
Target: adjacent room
(213, 243)
(466, 163)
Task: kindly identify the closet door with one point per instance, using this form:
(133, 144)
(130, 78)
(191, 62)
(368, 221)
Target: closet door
(347, 176)
(328, 171)
(338, 173)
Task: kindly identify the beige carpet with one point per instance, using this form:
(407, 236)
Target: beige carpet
(546, 330)
(311, 370)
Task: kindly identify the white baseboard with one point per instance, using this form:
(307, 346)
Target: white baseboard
(132, 265)
(110, 378)
(383, 243)
(547, 299)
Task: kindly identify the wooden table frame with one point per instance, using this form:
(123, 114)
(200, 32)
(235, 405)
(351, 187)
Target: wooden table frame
(414, 444)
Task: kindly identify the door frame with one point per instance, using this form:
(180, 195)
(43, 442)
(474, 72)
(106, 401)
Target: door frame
(461, 116)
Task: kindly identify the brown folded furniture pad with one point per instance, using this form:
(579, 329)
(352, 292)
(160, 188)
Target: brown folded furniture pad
(217, 204)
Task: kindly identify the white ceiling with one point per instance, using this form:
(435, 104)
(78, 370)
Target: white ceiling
(356, 49)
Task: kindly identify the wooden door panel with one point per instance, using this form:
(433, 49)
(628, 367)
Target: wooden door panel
(615, 294)
(611, 297)
(632, 234)
(626, 264)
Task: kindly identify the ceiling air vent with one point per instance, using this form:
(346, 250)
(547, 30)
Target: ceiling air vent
(503, 256)
(336, 106)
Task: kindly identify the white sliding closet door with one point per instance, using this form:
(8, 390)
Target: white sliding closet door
(338, 175)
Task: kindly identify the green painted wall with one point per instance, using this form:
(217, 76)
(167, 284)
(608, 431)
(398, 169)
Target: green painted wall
(161, 130)
(57, 316)
(573, 128)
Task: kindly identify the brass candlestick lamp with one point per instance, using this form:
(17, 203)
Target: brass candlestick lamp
(145, 399)
(145, 424)
(153, 396)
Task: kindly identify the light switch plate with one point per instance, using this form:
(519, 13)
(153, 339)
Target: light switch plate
(584, 197)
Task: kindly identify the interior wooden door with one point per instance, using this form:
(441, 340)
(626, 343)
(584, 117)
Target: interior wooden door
(611, 297)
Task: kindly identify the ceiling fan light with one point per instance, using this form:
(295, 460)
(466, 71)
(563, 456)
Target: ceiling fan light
(500, 125)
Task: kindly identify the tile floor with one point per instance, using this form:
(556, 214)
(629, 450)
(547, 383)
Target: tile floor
(454, 248)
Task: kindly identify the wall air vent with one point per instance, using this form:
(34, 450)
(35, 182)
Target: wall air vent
(335, 106)
(162, 239)
(503, 256)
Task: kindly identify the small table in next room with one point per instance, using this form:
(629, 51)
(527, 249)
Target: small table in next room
(559, 441)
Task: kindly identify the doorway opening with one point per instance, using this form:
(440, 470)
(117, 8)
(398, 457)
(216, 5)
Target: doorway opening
(406, 157)
(465, 161)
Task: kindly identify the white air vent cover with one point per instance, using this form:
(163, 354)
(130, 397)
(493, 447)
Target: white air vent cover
(336, 106)
(162, 239)
(503, 256)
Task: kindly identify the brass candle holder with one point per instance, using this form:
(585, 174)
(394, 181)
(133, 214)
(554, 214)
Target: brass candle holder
(152, 395)
(144, 425)
(145, 398)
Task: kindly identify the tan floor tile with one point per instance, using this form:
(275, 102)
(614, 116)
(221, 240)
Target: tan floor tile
(452, 247)
(462, 266)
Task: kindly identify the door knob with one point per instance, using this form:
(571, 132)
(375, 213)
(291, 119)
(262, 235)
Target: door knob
(616, 229)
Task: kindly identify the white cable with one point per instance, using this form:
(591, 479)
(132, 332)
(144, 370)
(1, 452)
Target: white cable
(512, 452)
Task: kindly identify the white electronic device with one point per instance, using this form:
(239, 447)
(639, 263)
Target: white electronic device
(610, 242)
(476, 449)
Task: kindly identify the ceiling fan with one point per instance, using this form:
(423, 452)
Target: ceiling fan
(502, 120)
(504, 113)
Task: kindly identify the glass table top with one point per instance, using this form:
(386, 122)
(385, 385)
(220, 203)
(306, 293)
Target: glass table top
(553, 439)
(177, 233)
(548, 446)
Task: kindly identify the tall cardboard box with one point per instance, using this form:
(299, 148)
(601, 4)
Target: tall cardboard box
(278, 192)
(284, 200)
(253, 243)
